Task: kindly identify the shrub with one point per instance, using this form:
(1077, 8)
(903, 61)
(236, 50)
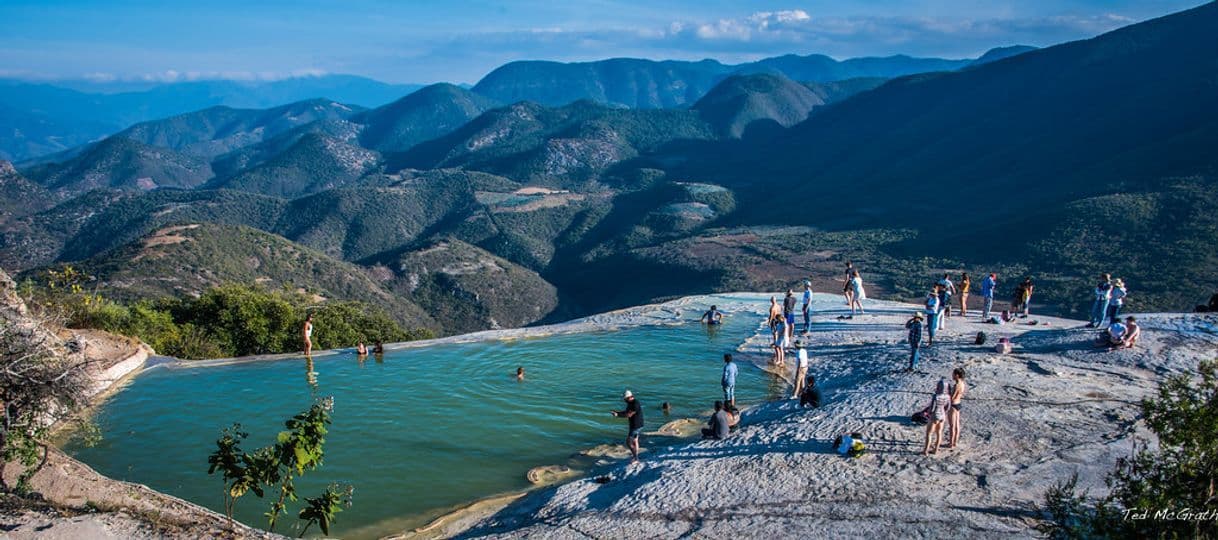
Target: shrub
(1155, 493)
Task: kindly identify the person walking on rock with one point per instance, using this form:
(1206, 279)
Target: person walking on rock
(857, 293)
(939, 404)
(914, 325)
(959, 387)
(634, 414)
(801, 368)
(729, 380)
(987, 295)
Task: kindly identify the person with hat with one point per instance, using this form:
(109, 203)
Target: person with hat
(634, 414)
(801, 368)
(914, 325)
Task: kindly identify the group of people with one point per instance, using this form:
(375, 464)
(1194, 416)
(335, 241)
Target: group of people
(1109, 299)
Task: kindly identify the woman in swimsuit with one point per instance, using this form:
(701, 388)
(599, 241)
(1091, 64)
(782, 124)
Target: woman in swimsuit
(939, 405)
(959, 387)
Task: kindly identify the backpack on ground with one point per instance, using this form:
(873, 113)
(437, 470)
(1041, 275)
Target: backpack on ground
(981, 337)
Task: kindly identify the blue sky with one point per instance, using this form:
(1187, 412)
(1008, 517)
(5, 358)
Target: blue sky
(460, 40)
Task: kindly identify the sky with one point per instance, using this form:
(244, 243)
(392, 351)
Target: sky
(423, 41)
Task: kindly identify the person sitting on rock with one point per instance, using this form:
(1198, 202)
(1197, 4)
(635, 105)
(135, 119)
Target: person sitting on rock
(718, 427)
(733, 417)
(1132, 333)
(1113, 336)
(810, 397)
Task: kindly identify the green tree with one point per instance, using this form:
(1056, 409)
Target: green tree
(297, 450)
(1153, 493)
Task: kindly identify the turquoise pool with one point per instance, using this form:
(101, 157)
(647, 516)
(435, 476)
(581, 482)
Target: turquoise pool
(422, 429)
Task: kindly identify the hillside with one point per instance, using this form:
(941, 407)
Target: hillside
(37, 119)
(425, 114)
(189, 259)
(121, 163)
(315, 162)
(762, 101)
(217, 130)
(554, 147)
(1004, 149)
(18, 196)
(468, 288)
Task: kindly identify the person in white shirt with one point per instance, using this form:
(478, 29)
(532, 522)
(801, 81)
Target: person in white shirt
(801, 369)
(807, 306)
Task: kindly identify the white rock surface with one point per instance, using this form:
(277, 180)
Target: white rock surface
(1055, 406)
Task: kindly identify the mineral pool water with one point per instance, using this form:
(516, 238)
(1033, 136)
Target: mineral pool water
(420, 430)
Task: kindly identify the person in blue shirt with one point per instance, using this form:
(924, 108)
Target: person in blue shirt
(987, 294)
(729, 380)
(807, 306)
(932, 314)
(914, 325)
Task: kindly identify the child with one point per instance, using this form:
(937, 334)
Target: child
(939, 404)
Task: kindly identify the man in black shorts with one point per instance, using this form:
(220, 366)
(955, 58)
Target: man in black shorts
(634, 413)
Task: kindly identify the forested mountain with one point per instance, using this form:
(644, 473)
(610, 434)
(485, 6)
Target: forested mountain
(1056, 163)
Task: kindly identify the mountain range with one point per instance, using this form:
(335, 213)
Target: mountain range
(39, 118)
(478, 211)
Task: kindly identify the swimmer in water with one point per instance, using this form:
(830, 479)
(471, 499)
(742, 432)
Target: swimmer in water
(520, 373)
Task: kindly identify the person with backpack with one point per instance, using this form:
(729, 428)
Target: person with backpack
(939, 405)
(914, 325)
(987, 295)
(1117, 301)
(932, 314)
(1099, 307)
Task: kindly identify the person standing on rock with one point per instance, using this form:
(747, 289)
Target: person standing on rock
(729, 380)
(932, 314)
(959, 387)
(1117, 302)
(1023, 298)
(946, 290)
(939, 405)
(857, 293)
(807, 306)
(914, 325)
(801, 369)
(987, 295)
(307, 332)
(788, 314)
(775, 316)
(634, 414)
(965, 283)
(1099, 307)
(846, 290)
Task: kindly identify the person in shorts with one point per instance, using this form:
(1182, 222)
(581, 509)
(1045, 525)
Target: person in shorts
(634, 415)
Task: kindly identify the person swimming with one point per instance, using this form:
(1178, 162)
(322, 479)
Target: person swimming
(520, 373)
(361, 349)
(378, 348)
(712, 316)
